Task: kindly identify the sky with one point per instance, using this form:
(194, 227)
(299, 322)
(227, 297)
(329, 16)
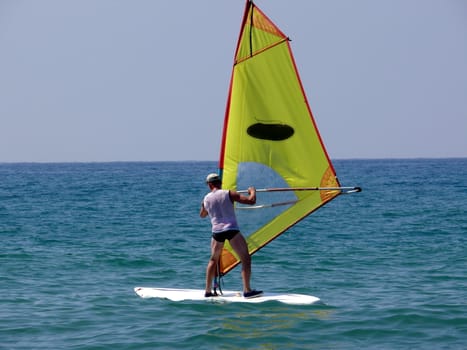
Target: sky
(147, 80)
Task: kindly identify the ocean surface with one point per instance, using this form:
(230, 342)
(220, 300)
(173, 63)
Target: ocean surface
(389, 263)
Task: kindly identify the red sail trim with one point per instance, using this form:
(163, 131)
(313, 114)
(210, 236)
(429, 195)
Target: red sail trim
(260, 51)
(311, 113)
(248, 4)
(263, 22)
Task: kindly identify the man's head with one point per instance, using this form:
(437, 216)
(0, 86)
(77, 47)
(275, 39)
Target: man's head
(213, 180)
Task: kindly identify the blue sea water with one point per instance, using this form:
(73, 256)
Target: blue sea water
(389, 263)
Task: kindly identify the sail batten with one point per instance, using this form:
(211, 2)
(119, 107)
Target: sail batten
(270, 138)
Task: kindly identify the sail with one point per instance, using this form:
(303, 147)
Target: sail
(270, 138)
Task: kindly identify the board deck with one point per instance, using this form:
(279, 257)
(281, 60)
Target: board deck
(228, 296)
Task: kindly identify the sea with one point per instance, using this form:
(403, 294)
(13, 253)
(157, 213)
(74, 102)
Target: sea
(389, 263)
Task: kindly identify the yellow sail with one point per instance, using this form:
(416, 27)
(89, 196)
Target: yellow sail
(270, 139)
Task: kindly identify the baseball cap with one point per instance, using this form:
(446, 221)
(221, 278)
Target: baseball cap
(213, 178)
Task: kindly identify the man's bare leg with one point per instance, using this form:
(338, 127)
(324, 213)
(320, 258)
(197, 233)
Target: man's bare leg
(216, 249)
(240, 246)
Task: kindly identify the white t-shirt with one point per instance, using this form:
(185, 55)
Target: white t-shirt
(221, 211)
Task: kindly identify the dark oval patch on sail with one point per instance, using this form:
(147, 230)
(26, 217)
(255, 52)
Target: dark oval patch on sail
(273, 132)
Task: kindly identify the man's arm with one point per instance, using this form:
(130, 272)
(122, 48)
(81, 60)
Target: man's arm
(237, 197)
(203, 212)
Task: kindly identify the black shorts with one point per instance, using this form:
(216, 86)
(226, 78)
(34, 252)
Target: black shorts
(222, 236)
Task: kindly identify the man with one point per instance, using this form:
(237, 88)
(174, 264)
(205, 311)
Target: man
(219, 205)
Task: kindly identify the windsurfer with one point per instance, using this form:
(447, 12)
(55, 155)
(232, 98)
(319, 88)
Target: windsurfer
(219, 205)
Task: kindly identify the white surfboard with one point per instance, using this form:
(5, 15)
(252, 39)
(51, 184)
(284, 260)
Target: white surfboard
(227, 296)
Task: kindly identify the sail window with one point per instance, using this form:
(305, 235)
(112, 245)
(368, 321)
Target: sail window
(273, 132)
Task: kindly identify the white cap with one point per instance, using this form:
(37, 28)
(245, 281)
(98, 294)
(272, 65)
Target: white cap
(213, 178)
